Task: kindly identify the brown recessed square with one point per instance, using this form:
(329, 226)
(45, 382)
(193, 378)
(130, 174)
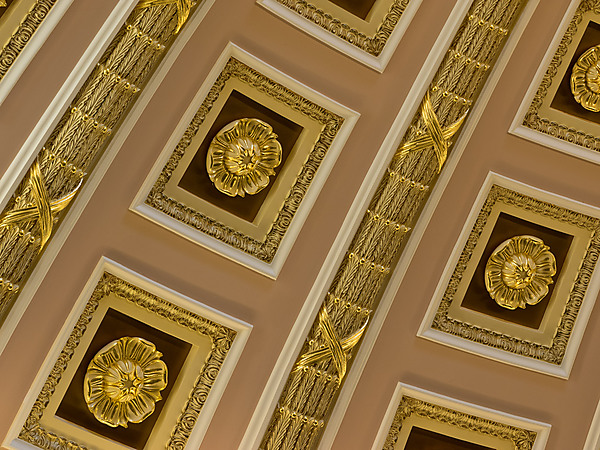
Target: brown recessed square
(116, 325)
(422, 439)
(360, 8)
(563, 99)
(195, 179)
(477, 297)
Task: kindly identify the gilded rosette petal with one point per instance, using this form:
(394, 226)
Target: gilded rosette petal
(242, 156)
(585, 79)
(519, 271)
(124, 380)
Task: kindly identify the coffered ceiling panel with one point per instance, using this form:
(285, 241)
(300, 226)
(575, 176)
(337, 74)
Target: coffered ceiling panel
(302, 324)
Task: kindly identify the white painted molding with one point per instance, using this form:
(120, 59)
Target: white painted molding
(542, 429)
(41, 132)
(561, 371)
(31, 48)
(518, 129)
(592, 442)
(283, 366)
(271, 270)
(377, 63)
(243, 330)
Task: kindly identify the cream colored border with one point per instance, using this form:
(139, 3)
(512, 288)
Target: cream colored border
(262, 413)
(504, 423)
(242, 329)
(18, 25)
(273, 268)
(47, 123)
(355, 27)
(561, 370)
(592, 442)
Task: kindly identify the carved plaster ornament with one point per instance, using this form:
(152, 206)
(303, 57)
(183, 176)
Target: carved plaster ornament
(242, 156)
(585, 79)
(124, 380)
(519, 272)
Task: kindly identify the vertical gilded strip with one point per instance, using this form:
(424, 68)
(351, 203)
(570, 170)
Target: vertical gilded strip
(311, 390)
(79, 139)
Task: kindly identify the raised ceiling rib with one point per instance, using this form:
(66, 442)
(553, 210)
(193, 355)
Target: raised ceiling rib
(79, 139)
(455, 86)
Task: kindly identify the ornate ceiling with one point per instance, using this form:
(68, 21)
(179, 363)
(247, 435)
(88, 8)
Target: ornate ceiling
(373, 181)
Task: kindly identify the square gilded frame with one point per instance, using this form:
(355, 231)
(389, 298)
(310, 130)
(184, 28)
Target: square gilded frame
(414, 407)
(536, 120)
(552, 348)
(192, 402)
(264, 243)
(371, 40)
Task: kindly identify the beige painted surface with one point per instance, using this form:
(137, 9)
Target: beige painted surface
(108, 228)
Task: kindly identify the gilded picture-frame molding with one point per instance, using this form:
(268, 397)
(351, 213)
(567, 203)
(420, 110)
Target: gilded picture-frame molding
(555, 359)
(518, 433)
(228, 336)
(33, 26)
(266, 257)
(529, 122)
(329, 25)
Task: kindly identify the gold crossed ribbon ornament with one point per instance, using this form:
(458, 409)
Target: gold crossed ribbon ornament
(43, 209)
(436, 136)
(335, 348)
(2, 3)
(183, 8)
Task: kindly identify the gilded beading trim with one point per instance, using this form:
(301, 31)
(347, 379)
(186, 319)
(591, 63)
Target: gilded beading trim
(81, 135)
(23, 34)
(265, 250)
(371, 44)
(532, 118)
(221, 337)
(310, 392)
(409, 406)
(555, 352)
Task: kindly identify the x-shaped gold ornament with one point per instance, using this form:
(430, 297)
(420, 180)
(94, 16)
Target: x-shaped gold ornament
(334, 347)
(43, 209)
(2, 3)
(183, 8)
(436, 136)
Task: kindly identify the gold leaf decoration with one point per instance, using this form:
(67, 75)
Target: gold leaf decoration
(2, 3)
(585, 79)
(242, 156)
(124, 380)
(519, 272)
(183, 8)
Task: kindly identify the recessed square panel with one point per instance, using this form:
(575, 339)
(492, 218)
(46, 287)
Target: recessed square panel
(562, 107)
(244, 166)
(514, 287)
(367, 30)
(420, 420)
(136, 370)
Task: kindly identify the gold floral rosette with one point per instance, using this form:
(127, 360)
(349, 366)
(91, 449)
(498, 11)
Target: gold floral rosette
(242, 156)
(124, 380)
(519, 272)
(585, 79)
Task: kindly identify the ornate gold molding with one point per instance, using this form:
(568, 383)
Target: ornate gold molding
(262, 249)
(23, 34)
(221, 337)
(310, 394)
(371, 44)
(555, 352)
(533, 118)
(79, 138)
(409, 406)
